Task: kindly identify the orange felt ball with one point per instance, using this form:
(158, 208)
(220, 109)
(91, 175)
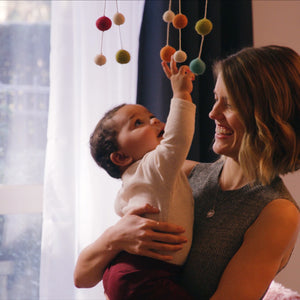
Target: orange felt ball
(166, 53)
(180, 21)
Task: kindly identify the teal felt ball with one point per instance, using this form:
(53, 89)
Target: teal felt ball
(197, 66)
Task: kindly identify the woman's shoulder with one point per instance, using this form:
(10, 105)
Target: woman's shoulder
(203, 169)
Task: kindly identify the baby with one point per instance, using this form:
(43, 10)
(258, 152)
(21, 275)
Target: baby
(130, 143)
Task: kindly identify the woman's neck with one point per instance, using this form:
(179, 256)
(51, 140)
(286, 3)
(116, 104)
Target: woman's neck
(232, 176)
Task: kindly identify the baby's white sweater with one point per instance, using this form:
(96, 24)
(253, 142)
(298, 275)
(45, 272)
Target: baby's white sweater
(157, 178)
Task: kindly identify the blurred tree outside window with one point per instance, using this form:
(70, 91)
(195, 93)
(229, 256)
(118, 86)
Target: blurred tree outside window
(24, 97)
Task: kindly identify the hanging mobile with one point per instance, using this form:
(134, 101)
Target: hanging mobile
(167, 51)
(122, 56)
(202, 27)
(103, 24)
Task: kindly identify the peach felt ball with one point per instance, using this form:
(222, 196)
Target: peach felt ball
(100, 60)
(122, 56)
(203, 26)
(180, 21)
(197, 66)
(118, 18)
(166, 53)
(168, 16)
(103, 23)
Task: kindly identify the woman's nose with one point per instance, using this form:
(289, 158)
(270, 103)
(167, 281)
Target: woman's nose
(215, 112)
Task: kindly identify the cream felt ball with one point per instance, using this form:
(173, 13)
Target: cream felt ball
(118, 18)
(122, 56)
(166, 53)
(204, 26)
(168, 16)
(100, 60)
(180, 56)
(197, 66)
(103, 23)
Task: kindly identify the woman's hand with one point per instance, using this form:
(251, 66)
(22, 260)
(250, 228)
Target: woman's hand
(134, 234)
(141, 236)
(181, 80)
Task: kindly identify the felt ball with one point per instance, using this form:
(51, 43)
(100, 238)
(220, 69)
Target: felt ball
(100, 60)
(180, 21)
(168, 16)
(103, 23)
(122, 56)
(166, 53)
(197, 66)
(180, 56)
(203, 26)
(118, 18)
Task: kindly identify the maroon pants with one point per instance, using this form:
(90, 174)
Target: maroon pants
(141, 278)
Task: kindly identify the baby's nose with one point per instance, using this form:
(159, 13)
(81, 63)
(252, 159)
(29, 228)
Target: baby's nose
(155, 121)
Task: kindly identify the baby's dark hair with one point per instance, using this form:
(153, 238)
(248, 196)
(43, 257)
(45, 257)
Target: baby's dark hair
(103, 142)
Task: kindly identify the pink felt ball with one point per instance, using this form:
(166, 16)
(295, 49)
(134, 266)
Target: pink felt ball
(103, 23)
(100, 60)
(119, 18)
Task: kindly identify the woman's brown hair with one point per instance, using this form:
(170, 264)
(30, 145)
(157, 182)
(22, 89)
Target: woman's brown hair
(264, 85)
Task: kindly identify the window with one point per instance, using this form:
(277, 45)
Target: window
(24, 95)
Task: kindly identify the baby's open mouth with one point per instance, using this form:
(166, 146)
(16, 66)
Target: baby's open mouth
(161, 133)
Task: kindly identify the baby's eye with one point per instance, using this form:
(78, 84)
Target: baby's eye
(138, 122)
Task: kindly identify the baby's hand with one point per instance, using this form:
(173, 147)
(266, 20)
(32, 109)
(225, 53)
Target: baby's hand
(181, 80)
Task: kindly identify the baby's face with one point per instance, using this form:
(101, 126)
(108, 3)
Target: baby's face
(139, 131)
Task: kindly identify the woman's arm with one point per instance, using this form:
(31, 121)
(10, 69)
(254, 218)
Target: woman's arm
(132, 233)
(266, 249)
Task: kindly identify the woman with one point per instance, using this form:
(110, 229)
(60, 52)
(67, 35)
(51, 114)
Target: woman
(246, 222)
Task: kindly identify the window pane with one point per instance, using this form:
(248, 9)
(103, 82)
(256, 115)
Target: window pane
(24, 90)
(24, 96)
(20, 244)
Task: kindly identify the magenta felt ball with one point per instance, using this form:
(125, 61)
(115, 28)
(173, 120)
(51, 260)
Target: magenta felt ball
(197, 66)
(103, 23)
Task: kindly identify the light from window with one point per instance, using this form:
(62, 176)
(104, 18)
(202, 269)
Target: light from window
(24, 95)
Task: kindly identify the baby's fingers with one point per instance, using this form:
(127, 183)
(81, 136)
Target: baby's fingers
(166, 69)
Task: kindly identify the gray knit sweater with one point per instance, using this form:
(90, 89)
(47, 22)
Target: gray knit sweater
(217, 239)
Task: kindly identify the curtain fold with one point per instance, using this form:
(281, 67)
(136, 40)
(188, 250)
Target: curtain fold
(78, 196)
(232, 30)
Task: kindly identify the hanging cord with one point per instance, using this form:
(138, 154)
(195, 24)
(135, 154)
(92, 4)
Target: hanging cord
(179, 3)
(202, 36)
(120, 35)
(168, 25)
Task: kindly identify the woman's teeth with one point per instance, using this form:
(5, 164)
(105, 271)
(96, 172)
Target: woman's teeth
(223, 130)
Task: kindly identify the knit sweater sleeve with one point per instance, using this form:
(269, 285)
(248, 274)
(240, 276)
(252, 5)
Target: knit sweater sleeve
(171, 153)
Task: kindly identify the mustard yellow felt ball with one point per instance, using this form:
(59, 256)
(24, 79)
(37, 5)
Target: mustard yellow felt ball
(203, 26)
(122, 56)
(166, 53)
(180, 21)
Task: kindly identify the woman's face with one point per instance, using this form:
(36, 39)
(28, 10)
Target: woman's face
(229, 129)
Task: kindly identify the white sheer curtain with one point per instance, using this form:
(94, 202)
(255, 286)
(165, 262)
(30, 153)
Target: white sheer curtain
(78, 196)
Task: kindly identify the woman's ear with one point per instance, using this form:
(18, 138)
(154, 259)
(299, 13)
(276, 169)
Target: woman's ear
(120, 159)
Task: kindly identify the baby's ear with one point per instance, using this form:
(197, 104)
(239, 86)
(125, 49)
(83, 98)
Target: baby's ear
(120, 159)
